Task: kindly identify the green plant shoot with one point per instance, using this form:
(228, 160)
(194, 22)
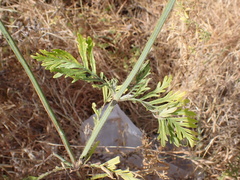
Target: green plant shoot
(175, 122)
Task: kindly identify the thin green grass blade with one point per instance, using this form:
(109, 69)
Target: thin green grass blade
(146, 49)
(38, 90)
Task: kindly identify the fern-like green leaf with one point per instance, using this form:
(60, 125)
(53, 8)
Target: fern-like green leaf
(163, 132)
(63, 63)
(181, 128)
(175, 123)
(125, 174)
(110, 168)
(82, 48)
(161, 87)
(90, 54)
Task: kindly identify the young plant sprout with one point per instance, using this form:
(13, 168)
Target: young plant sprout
(175, 122)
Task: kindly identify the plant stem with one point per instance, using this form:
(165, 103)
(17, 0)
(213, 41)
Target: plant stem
(146, 49)
(126, 83)
(97, 129)
(38, 90)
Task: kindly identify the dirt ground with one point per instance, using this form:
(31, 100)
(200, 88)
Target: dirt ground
(199, 46)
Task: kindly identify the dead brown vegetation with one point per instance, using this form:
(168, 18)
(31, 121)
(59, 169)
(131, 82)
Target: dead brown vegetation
(199, 46)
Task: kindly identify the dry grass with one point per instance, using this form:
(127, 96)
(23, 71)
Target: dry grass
(199, 46)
